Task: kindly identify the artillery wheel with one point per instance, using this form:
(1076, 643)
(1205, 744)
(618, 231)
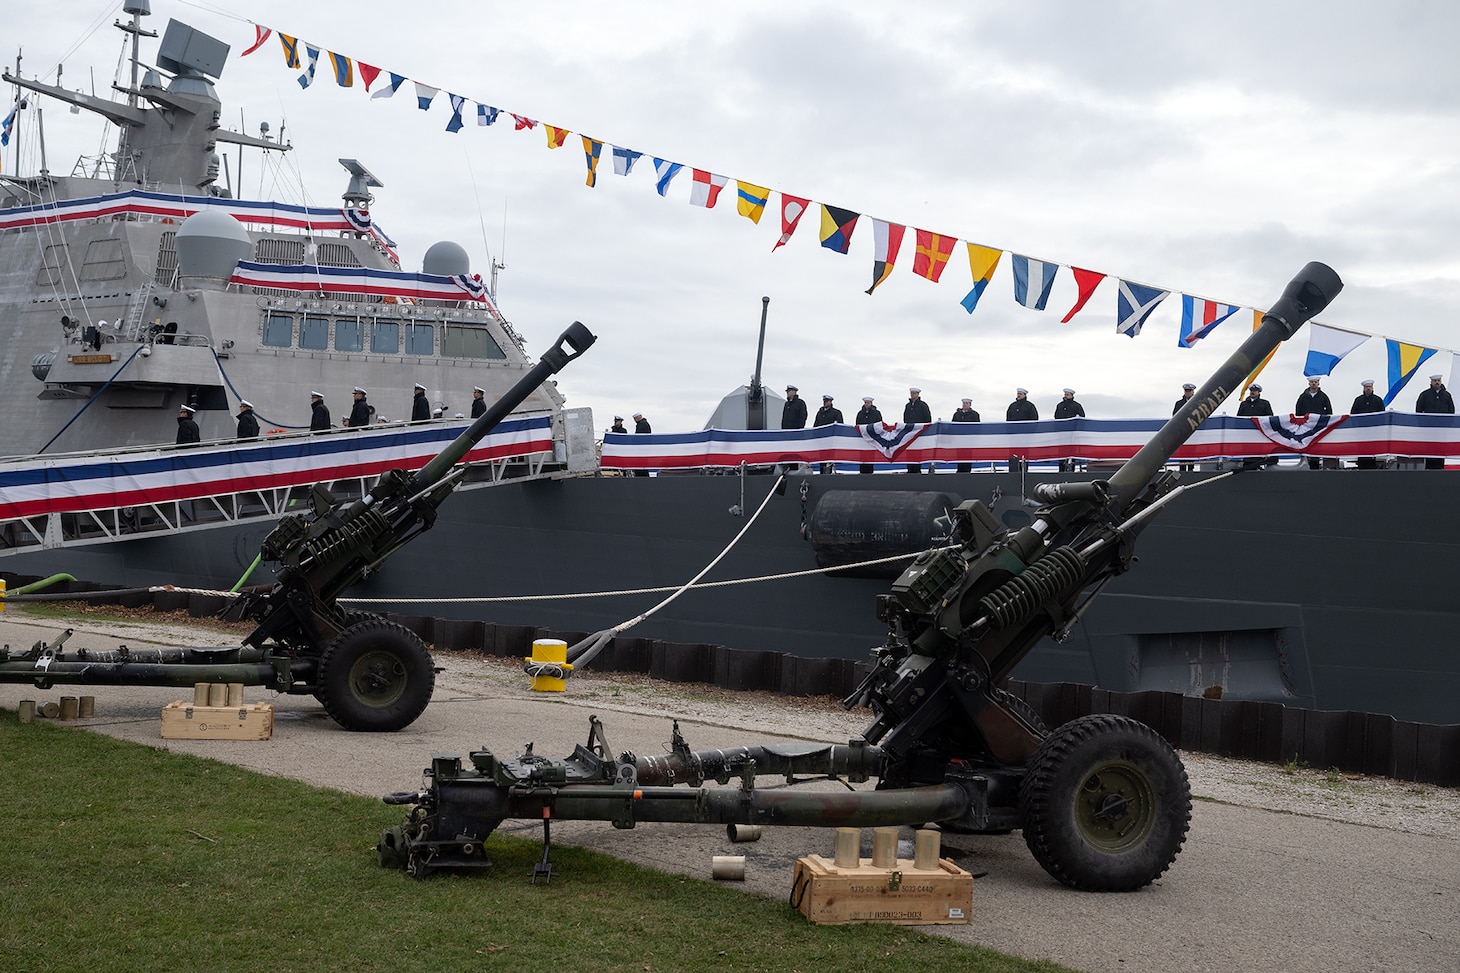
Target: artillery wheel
(1105, 804)
(375, 676)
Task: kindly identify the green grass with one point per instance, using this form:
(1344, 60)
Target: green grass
(121, 857)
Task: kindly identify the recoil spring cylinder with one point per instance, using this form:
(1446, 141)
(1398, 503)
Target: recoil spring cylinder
(349, 537)
(1057, 571)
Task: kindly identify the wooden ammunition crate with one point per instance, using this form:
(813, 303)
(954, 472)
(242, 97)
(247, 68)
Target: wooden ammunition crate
(184, 721)
(829, 895)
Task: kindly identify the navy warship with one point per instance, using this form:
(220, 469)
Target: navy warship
(141, 285)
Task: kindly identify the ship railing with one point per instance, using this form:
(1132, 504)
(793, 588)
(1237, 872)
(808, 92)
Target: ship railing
(105, 523)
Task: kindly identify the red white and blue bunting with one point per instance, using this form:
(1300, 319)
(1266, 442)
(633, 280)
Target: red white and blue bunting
(33, 488)
(1090, 440)
(309, 278)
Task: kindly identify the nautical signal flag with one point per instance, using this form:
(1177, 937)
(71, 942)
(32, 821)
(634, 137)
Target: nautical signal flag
(664, 173)
(486, 114)
(886, 241)
(9, 121)
(520, 122)
(983, 261)
(836, 227)
(1085, 282)
(307, 78)
(1134, 304)
(792, 209)
(750, 200)
(1199, 317)
(555, 136)
(704, 189)
(368, 73)
(592, 149)
(1404, 361)
(624, 159)
(458, 104)
(1327, 347)
(932, 254)
(261, 34)
(396, 80)
(1033, 280)
(425, 94)
(291, 51)
(344, 70)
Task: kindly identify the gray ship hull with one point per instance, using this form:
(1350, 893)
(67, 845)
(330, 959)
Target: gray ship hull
(1263, 586)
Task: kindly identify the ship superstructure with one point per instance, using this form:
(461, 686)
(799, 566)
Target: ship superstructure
(120, 298)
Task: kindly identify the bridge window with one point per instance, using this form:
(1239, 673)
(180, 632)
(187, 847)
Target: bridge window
(278, 330)
(385, 337)
(419, 339)
(315, 335)
(349, 336)
(464, 342)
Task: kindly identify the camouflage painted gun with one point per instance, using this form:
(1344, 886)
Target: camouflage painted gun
(1103, 802)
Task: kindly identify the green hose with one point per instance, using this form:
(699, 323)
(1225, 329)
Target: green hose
(256, 558)
(43, 583)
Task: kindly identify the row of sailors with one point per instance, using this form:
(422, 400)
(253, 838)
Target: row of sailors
(362, 413)
(793, 414)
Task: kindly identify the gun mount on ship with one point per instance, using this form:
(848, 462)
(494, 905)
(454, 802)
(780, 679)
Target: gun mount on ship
(1103, 801)
(369, 674)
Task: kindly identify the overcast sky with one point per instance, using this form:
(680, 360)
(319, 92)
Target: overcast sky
(1208, 149)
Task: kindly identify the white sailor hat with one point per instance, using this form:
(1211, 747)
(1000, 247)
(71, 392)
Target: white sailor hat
(1254, 387)
(1313, 378)
(460, 416)
(866, 398)
(315, 395)
(792, 388)
(1188, 385)
(916, 391)
(967, 400)
(478, 388)
(638, 415)
(245, 404)
(1367, 381)
(1436, 377)
(439, 410)
(826, 398)
(1069, 391)
(418, 385)
(359, 390)
(187, 408)
(618, 418)
(1025, 391)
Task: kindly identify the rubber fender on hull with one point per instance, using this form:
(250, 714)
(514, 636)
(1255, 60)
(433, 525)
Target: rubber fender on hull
(850, 526)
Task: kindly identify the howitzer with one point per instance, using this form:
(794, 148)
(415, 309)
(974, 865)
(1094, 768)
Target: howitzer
(1103, 801)
(368, 673)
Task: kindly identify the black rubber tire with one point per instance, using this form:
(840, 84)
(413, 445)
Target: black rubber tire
(1105, 804)
(352, 618)
(376, 676)
(1025, 711)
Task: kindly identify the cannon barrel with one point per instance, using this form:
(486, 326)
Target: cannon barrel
(1305, 296)
(577, 338)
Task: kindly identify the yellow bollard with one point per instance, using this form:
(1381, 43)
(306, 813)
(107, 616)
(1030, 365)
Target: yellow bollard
(2, 594)
(548, 665)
